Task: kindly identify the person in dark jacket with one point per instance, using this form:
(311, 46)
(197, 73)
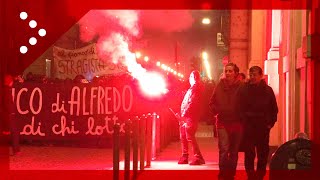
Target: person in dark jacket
(189, 118)
(259, 113)
(242, 77)
(9, 114)
(224, 104)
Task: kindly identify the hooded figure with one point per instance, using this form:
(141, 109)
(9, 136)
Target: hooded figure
(190, 116)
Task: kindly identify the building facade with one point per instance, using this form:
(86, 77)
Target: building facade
(283, 43)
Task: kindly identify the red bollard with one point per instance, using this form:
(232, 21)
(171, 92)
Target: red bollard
(148, 140)
(116, 151)
(127, 150)
(135, 146)
(142, 128)
(154, 136)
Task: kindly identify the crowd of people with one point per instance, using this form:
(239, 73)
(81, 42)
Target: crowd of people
(245, 110)
(38, 78)
(8, 121)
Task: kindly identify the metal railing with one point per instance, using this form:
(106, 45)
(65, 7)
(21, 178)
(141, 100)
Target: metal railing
(144, 138)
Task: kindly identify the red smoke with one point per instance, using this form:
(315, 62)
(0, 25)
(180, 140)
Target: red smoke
(166, 20)
(113, 29)
(102, 23)
(116, 29)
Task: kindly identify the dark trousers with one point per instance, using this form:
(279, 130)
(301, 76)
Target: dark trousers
(10, 124)
(229, 139)
(188, 135)
(15, 134)
(257, 143)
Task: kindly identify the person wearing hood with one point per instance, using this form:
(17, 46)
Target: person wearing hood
(9, 113)
(259, 113)
(224, 104)
(189, 118)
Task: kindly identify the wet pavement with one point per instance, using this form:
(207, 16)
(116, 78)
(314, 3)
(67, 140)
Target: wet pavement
(72, 158)
(42, 158)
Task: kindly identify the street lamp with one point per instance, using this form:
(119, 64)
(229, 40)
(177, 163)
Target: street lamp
(206, 64)
(146, 58)
(138, 54)
(206, 20)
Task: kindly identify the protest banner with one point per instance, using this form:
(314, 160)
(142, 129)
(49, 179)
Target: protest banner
(83, 61)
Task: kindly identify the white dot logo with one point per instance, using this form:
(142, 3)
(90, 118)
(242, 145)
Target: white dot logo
(23, 49)
(33, 41)
(42, 32)
(23, 15)
(33, 24)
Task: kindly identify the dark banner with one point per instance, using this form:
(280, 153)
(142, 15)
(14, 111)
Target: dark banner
(64, 111)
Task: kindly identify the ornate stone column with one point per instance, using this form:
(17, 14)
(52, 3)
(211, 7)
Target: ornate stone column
(271, 64)
(239, 31)
(271, 69)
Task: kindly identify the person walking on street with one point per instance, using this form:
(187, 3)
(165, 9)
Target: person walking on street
(224, 104)
(259, 113)
(9, 119)
(189, 119)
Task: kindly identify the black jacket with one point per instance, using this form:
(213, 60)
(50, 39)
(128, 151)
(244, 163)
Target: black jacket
(191, 104)
(258, 105)
(8, 106)
(224, 101)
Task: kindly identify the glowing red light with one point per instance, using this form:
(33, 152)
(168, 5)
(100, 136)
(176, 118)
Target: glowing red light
(138, 55)
(152, 84)
(146, 58)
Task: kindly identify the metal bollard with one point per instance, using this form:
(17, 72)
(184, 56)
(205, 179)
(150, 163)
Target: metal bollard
(154, 136)
(135, 146)
(116, 151)
(142, 128)
(158, 133)
(148, 140)
(127, 150)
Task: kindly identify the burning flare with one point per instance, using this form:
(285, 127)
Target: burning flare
(111, 30)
